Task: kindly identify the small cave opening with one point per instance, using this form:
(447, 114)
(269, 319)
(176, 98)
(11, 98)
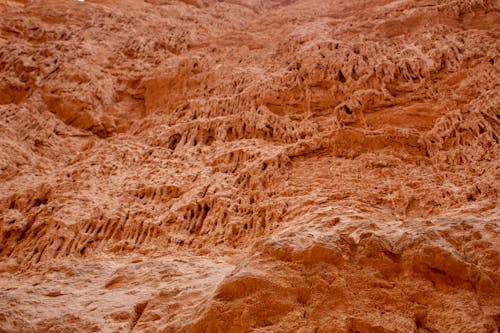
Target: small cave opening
(39, 202)
(341, 77)
(174, 141)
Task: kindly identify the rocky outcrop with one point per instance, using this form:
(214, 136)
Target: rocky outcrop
(249, 166)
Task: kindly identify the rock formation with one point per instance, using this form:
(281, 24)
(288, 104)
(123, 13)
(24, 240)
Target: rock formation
(250, 166)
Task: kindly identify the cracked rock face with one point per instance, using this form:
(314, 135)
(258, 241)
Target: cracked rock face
(249, 166)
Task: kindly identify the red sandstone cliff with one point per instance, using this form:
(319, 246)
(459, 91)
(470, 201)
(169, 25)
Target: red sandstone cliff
(249, 166)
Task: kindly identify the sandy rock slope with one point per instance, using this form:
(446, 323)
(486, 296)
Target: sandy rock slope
(250, 166)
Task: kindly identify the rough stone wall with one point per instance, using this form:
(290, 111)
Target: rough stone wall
(249, 166)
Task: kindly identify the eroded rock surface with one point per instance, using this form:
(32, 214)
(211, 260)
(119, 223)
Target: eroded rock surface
(249, 166)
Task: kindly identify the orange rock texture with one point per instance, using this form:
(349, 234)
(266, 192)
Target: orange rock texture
(250, 166)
